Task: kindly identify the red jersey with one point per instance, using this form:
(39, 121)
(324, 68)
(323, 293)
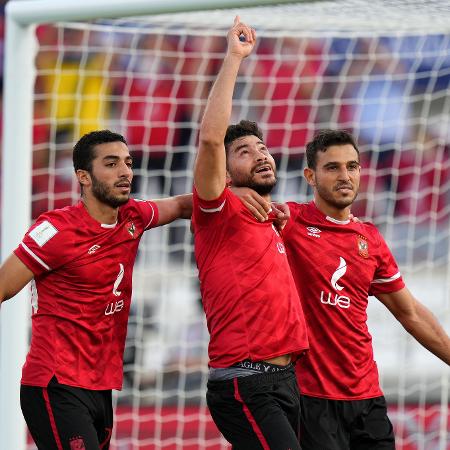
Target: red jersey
(336, 265)
(81, 294)
(249, 296)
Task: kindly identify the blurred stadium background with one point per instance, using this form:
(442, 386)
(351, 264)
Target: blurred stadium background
(379, 69)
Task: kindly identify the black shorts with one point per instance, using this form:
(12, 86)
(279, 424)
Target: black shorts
(259, 411)
(63, 417)
(345, 425)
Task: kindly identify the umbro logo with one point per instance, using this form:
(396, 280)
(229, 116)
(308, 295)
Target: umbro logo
(313, 231)
(93, 249)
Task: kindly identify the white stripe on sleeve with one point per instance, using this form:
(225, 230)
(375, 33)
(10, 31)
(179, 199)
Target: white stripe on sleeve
(153, 215)
(39, 260)
(213, 210)
(386, 280)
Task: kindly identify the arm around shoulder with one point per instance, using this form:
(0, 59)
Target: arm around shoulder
(418, 321)
(14, 276)
(172, 208)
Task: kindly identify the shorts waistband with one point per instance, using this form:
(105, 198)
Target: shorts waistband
(262, 366)
(256, 379)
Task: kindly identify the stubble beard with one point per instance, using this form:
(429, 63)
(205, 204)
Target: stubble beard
(327, 196)
(102, 192)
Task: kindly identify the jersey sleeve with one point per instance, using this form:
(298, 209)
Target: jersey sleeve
(46, 246)
(206, 211)
(387, 276)
(149, 213)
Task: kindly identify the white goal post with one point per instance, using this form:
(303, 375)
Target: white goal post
(380, 69)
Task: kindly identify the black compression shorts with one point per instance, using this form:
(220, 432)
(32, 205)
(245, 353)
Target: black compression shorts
(257, 412)
(62, 417)
(345, 425)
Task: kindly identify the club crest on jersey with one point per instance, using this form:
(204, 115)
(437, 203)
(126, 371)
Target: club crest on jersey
(363, 246)
(131, 228)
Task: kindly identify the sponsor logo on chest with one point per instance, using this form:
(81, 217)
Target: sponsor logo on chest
(116, 305)
(336, 298)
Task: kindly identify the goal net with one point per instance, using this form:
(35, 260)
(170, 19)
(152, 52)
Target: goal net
(380, 69)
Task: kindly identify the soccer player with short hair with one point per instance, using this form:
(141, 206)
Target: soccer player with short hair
(253, 311)
(80, 262)
(337, 263)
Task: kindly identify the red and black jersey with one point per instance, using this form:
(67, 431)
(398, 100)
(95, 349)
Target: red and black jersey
(336, 266)
(252, 306)
(81, 294)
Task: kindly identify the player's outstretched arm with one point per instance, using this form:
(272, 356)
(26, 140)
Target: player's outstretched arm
(172, 208)
(418, 321)
(210, 165)
(14, 275)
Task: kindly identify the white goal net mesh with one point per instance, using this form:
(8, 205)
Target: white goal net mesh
(380, 69)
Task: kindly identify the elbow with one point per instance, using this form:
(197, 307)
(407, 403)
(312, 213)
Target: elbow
(211, 140)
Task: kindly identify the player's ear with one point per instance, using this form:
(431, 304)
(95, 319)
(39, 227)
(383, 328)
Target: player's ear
(83, 176)
(228, 179)
(310, 176)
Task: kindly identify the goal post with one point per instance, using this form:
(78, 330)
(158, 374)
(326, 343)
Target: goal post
(144, 68)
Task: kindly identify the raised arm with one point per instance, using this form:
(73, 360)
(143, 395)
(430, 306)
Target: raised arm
(210, 165)
(418, 321)
(14, 275)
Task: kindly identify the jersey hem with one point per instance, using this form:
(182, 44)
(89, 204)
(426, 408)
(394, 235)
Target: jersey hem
(342, 398)
(294, 353)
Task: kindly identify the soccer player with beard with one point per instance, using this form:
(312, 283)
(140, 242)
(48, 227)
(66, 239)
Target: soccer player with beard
(337, 263)
(80, 261)
(253, 312)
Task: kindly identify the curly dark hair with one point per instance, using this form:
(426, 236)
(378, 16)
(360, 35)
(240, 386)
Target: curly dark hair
(243, 128)
(84, 149)
(325, 139)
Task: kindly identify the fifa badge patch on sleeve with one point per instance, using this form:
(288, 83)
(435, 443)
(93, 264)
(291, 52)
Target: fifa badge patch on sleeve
(363, 246)
(43, 233)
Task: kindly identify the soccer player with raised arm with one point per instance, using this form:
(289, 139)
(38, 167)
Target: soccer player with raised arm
(253, 311)
(337, 263)
(80, 262)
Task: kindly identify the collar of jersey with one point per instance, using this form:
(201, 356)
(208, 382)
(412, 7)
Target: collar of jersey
(91, 220)
(330, 219)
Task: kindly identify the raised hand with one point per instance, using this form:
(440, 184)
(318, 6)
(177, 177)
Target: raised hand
(241, 39)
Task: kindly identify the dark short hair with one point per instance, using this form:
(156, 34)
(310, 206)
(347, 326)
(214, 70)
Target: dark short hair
(325, 139)
(83, 151)
(243, 128)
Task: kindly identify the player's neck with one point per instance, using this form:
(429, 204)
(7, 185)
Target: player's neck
(99, 211)
(341, 214)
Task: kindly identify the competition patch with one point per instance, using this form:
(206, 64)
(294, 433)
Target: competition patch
(43, 233)
(363, 246)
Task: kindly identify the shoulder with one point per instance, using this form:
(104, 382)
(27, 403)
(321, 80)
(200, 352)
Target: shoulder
(224, 201)
(298, 210)
(140, 210)
(139, 206)
(64, 219)
(296, 206)
(370, 230)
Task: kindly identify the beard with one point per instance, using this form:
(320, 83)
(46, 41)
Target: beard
(262, 188)
(338, 203)
(102, 192)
